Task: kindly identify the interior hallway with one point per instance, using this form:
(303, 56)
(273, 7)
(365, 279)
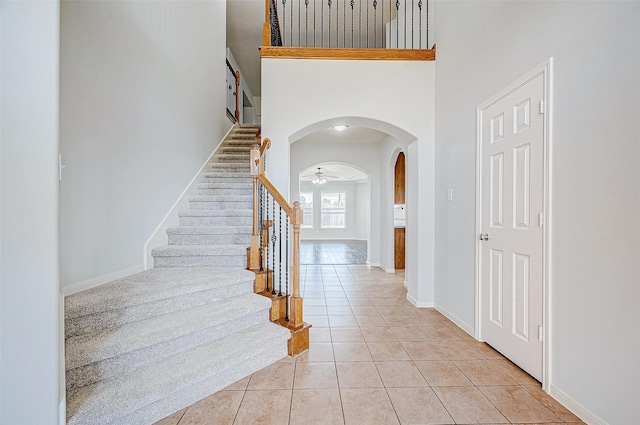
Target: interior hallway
(375, 359)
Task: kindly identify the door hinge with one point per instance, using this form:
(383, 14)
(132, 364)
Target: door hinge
(541, 219)
(540, 333)
(542, 106)
(60, 167)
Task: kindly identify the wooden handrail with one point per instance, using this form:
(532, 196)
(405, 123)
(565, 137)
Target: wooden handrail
(279, 52)
(288, 209)
(266, 144)
(299, 341)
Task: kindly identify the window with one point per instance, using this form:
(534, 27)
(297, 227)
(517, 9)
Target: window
(334, 210)
(306, 203)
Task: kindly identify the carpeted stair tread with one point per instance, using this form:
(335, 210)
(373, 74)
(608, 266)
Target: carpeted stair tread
(112, 401)
(228, 175)
(149, 286)
(216, 213)
(221, 198)
(209, 230)
(199, 250)
(247, 185)
(89, 348)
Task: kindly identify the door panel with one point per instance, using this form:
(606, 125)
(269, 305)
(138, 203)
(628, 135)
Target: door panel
(512, 194)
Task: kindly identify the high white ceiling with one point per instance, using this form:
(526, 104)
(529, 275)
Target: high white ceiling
(245, 20)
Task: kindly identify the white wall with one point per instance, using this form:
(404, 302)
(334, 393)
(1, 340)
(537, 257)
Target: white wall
(142, 107)
(29, 279)
(302, 96)
(482, 47)
(363, 212)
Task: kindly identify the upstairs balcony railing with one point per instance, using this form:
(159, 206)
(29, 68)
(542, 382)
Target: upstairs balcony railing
(356, 24)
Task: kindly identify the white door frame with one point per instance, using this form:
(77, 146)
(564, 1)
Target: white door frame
(545, 69)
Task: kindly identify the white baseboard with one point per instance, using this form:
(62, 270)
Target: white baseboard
(388, 269)
(406, 284)
(101, 280)
(62, 411)
(62, 406)
(419, 304)
(461, 324)
(576, 408)
(159, 236)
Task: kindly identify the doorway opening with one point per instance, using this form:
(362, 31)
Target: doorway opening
(335, 201)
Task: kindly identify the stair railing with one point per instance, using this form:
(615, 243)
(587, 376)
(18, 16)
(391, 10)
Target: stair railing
(275, 252)
(391, 24)
(233, 88)
(271, 35)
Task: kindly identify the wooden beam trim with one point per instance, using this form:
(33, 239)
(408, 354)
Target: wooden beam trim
(347, 54)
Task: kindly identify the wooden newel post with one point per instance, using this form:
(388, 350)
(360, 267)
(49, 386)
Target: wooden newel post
(296, 300)
(254, 249)
(266, 27)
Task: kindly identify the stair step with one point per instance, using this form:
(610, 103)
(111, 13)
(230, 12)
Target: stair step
(200, 256)
(98, 356)
(159, 389)
(237, 150)
(221, 202)
(210, 230)
(236, 158)
(244, 185)
(215, 218)
(250, 143)
(143, 295)
(230, 191)
(222, 177)
(209, 235)
(233, 167)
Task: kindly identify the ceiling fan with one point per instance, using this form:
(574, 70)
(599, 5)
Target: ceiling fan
(320, 177)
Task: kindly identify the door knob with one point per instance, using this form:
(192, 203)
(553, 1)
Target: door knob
(484, 236)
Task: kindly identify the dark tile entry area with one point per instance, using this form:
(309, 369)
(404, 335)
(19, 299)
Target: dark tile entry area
(333, 252)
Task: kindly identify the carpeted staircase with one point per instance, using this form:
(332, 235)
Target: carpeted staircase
(143, 347)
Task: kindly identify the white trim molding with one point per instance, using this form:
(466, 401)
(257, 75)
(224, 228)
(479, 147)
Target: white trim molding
(101, 280)
(455, 319)
(417, 303)
(576, 408)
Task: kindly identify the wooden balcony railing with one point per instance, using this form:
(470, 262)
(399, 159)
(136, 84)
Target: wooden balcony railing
(274, 253)
(347, 29)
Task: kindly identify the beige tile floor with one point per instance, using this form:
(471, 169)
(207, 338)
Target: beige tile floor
(376, 359)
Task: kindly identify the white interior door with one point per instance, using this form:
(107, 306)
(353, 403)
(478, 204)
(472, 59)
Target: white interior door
(511, 219)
